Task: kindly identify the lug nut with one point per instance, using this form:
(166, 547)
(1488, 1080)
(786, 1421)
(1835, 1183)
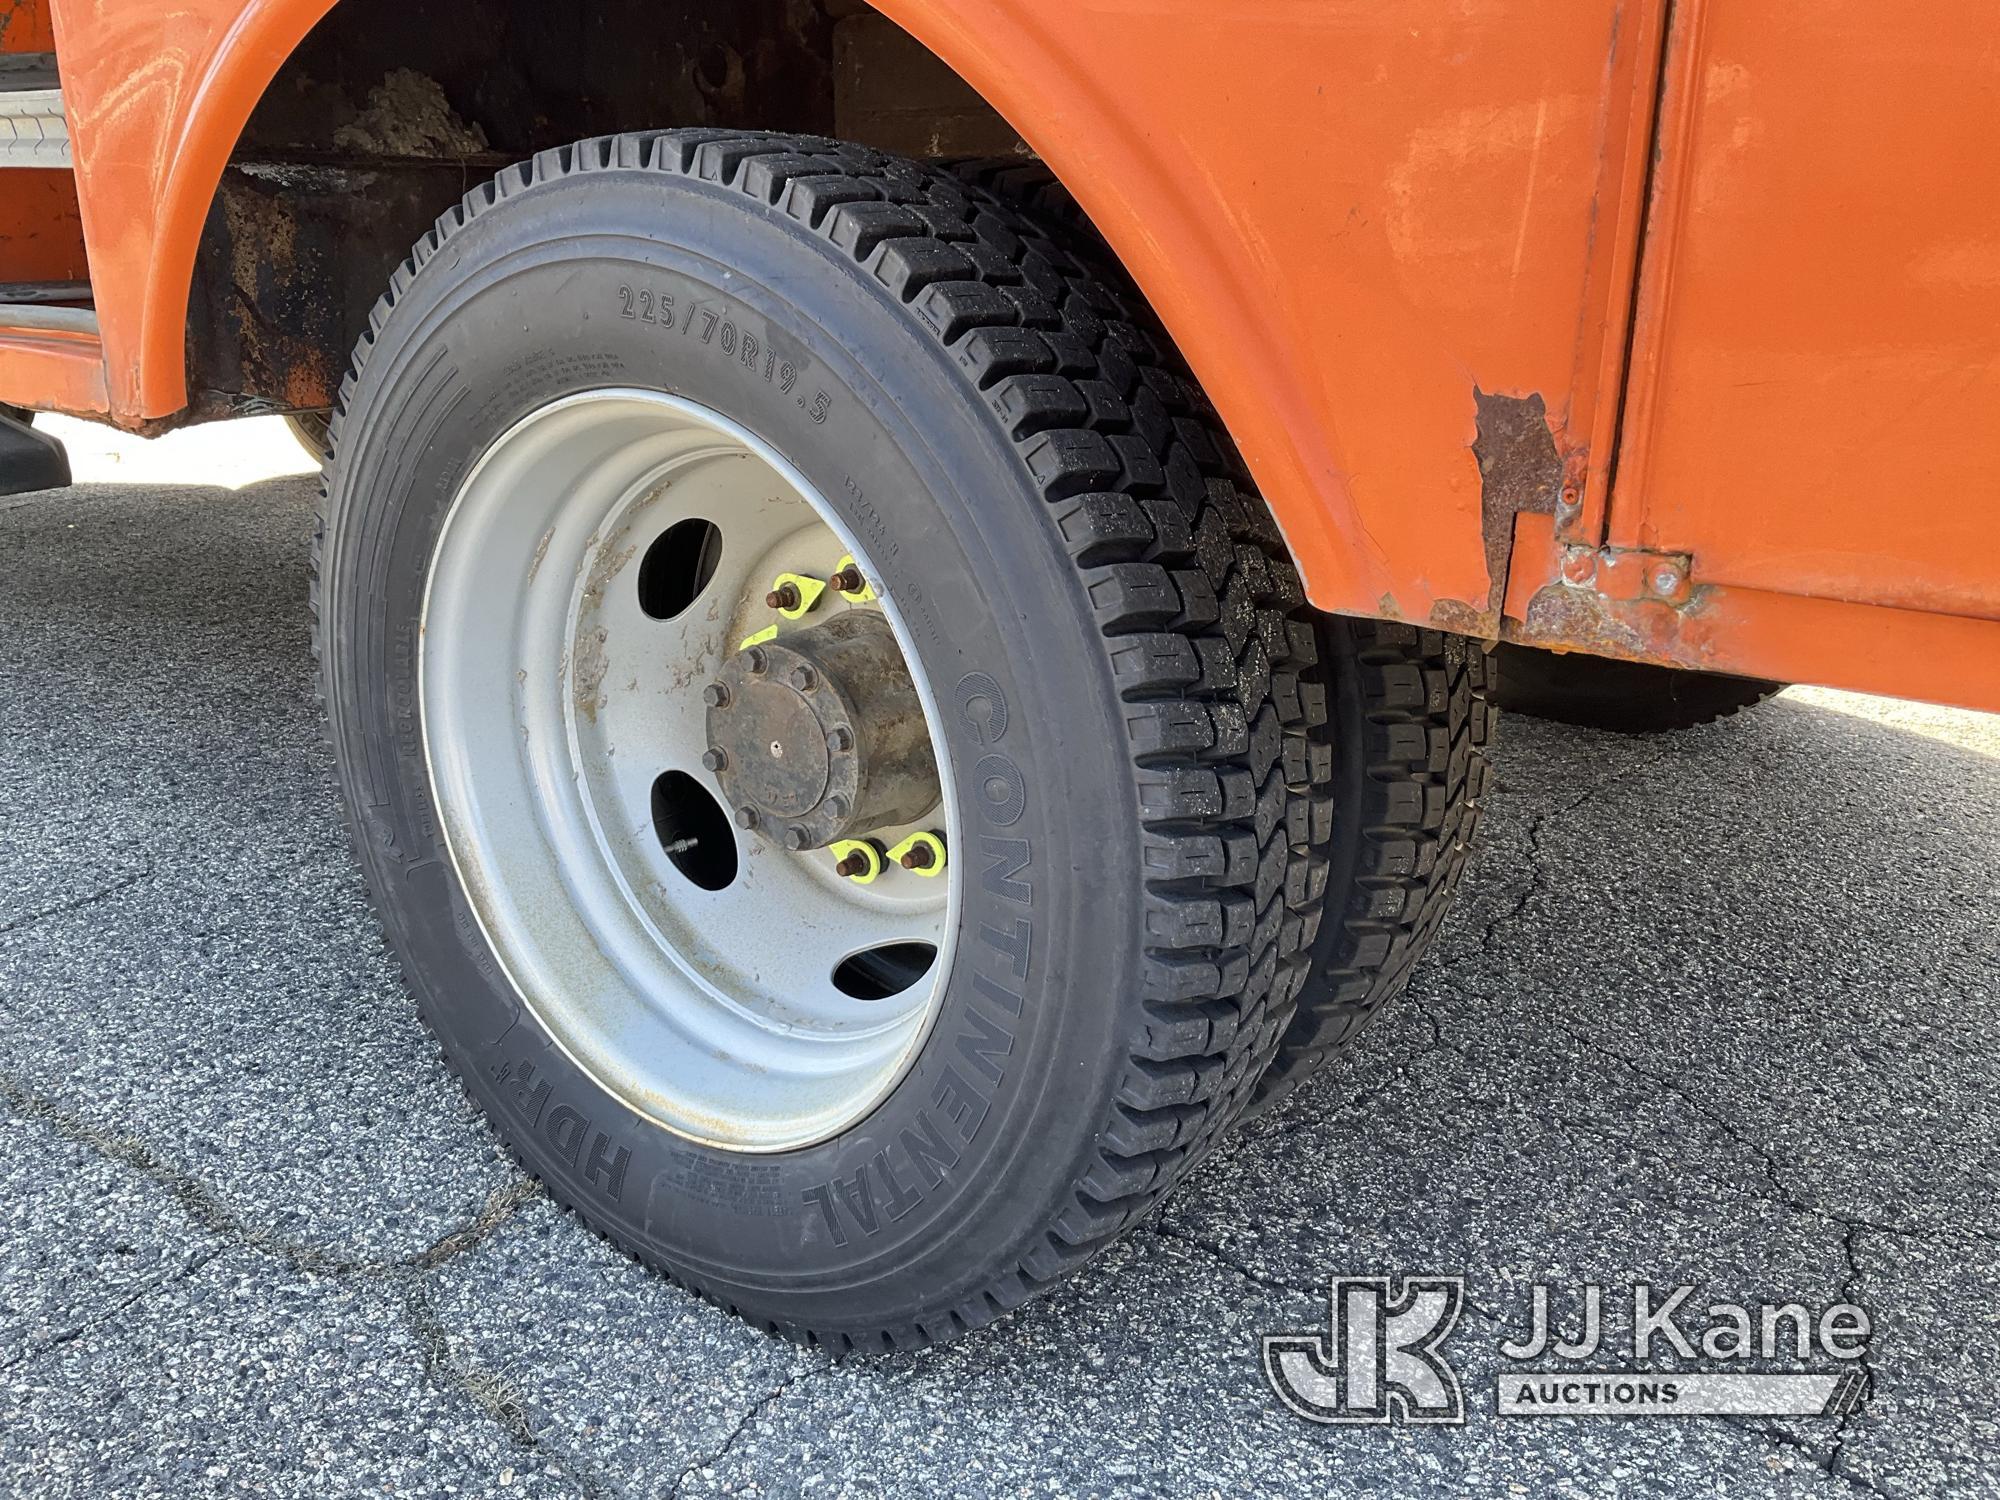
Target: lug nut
(856, 863)
(796, 837)
(804, 678)
(836, 807)
(917, 857)
(756, 660)
(712, 759)
(784, 596)
(839, 740)
(715, 695)
(746, 817)
(847, 581)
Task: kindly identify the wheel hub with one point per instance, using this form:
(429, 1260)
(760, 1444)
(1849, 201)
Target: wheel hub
(819, 735)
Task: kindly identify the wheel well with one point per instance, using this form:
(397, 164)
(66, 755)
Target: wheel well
(390, 110)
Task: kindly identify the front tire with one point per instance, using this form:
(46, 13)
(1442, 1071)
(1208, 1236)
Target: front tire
(1123, 679)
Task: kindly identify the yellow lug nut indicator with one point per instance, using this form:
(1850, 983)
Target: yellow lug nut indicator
(858, 860)
(795, 595)
(849, 583)
(923, 853)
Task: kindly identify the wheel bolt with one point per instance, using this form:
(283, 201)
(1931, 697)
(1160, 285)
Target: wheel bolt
(917, 857)
(836, 807)
(756, 660)
(847, 581)
(796, 837)
(855, 864)
(839, 740)
(784, 596)
(715, 695)
(746, 817)
(712, 759)
(804, 678)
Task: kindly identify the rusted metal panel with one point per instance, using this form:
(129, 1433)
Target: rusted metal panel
(293, 256)
(1655, 606)
(1520, 473)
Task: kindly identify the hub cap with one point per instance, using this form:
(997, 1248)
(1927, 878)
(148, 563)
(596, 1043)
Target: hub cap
(820, 736)
(649, 794)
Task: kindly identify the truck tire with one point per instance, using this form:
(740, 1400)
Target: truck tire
(1408, 731)
(1410, 726)
(1626, 697)
(611, 410)
(314, 432)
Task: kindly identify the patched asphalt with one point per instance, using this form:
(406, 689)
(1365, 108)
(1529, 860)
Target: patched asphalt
(1718, 1008)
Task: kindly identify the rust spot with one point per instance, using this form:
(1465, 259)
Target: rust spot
(1459, 617)
(1519, 470)
(1648, 629)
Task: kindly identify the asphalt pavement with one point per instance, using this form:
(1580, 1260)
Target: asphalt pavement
(1719, 1009)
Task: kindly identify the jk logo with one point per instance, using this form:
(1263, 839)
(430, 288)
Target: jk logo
(1379, 1359)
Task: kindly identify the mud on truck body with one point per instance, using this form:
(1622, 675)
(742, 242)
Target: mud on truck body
(910, 596)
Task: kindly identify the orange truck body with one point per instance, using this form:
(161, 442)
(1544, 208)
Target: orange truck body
(1663, 332)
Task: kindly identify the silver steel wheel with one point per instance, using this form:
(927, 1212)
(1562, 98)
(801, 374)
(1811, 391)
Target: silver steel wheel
(596, 579)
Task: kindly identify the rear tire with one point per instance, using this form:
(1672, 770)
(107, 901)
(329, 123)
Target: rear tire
(1410, 728)
(1407, 732)
(1128, 678)
(1625, 697)
(314, 431)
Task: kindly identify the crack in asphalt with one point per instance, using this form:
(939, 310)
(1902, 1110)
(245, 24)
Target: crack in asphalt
(78, 903)
(751, 1414)
(1849, 1286)
(494, 1396)
(1782, 1194)
(491, 1394)
(201, 1203)
(88, 1326)
(1859, 1483)
(1216, 1253)
(1316, 1292)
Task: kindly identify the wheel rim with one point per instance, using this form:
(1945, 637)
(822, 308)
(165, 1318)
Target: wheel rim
(601, 567)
